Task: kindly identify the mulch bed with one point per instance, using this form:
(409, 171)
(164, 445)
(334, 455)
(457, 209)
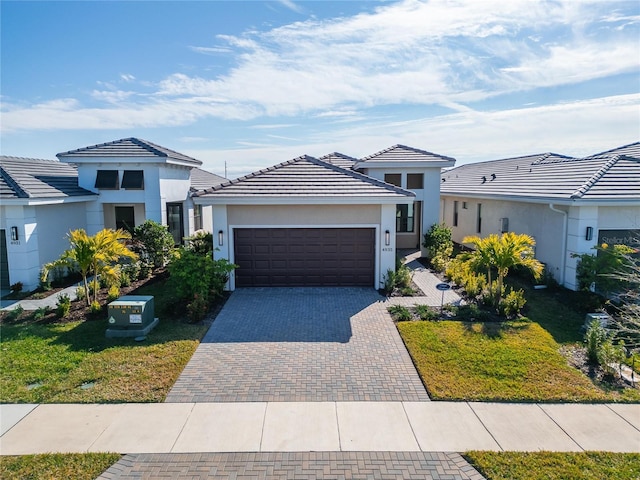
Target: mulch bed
(577, 357)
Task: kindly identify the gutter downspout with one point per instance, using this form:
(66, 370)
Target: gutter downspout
(564, 241)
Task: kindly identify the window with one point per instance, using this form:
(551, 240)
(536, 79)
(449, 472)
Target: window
(174, 222)
(107, 180)
(464, 205)
(393, 179)
(479, 219)
(404, 218)
(133, 179)
(415, 181)
(504, 225)
(197, 217)
(455, 213)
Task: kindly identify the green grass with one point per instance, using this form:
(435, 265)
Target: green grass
(78, 466)
(62, 357)
(514, 361)
(556, 466)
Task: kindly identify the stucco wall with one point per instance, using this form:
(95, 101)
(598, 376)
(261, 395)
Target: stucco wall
(302, 214)
(537, 220)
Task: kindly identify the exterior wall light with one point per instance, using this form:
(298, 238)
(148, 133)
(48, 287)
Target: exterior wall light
(220, 237)
(387, 237)
(589, 234)
(14, 234)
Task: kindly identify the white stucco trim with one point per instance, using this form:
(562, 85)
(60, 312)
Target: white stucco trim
(289, 200)
(48, 201)
(545, 200)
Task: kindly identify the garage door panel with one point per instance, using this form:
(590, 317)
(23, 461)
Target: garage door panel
(312, 256)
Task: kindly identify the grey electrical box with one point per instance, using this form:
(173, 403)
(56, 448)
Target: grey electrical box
(131, 316)
(603, 318)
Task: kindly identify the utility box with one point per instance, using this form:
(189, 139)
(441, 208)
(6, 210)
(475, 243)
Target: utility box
(131, 316)
(603, 318)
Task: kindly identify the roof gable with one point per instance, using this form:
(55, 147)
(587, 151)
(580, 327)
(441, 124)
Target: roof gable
(201, 179)
(306, 176)
(402, 153)
(129, 148)
(340, 160)
(36, 178)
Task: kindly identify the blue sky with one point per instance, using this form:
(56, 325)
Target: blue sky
(256, 83)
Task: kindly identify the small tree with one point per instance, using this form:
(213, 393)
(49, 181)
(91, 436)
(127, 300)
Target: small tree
(600, 269)
(154, 243)
(626, 320)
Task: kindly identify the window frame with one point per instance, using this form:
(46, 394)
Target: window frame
(197, 217)
(387, 179)
(455, 213)
(479, 219)
(128, 176)
(411, 178)
(405, 219)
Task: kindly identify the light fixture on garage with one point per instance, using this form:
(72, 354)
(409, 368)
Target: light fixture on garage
(387, 237)
(589, 234)
(14, 234)
(220, 237)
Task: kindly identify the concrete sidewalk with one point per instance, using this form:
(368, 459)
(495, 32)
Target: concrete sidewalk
(318, 426)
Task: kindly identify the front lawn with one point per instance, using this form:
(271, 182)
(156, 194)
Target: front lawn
(58, 362)
(512, 361)
(556, 466)
(78, 466)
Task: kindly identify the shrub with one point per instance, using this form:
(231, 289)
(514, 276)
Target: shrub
(492, 293)
(14, 313)
(594, 338)
(16, 287)
(425, 312)
(512, 304)
(404, 276)
(40, 313)
(471, 312)
(95, 307)
(474, 283)
(81, 293)
(129, 272)
(400, 313)
(145, 270)
(198, 308)
(94, 287)
(389, 281)
(154, 243)
(63, 305)
(201, 243)
(438, 242)
(610, 355)
(192, 274)
(113, 293)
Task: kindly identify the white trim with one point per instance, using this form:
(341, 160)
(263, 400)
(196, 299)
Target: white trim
(395, 164)
(618, 202)
(48, 201)
(377, 244)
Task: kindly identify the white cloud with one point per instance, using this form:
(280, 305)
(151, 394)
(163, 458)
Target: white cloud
(127, 77)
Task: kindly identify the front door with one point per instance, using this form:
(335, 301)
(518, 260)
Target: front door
(125, 218)
(175, 222)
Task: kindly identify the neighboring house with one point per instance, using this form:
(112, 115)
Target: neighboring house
(330, 221)
(118, 184)
(569, 205)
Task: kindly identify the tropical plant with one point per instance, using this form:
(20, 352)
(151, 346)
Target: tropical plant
(63, 305)
(200, 243)
(598, 271)
(97, 255)
(503, 253)
(154, 243)
(594, 338)
(400, 313)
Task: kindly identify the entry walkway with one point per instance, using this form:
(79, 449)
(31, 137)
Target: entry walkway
(319, 427)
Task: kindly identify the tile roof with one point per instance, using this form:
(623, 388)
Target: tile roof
(306, 176)
(340, 160)
(128, 147)
(36, 178)
(405, 154)
(611, 175)
(201, 179)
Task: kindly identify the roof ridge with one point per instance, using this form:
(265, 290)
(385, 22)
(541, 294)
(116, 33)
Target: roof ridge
(580, 192)
(606, 152)
(399, 145)
(362, 176)
(251, 175)
(21, 192)
(337, 154)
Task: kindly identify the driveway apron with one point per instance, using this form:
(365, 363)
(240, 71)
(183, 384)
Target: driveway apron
(300, 344)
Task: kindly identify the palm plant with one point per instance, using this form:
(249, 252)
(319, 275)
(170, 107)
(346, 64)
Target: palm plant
(502, 253)
(97, 255)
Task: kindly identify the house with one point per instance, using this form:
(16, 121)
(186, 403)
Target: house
(568, 205)
(119, 184)
(328, 221)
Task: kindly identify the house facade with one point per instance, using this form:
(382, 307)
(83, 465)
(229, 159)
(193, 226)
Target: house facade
(333, 221)
(568, 205)
(119, 184)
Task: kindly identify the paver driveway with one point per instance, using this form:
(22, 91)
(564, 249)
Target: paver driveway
(300, 344)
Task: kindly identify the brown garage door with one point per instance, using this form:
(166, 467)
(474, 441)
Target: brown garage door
(304, 257)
